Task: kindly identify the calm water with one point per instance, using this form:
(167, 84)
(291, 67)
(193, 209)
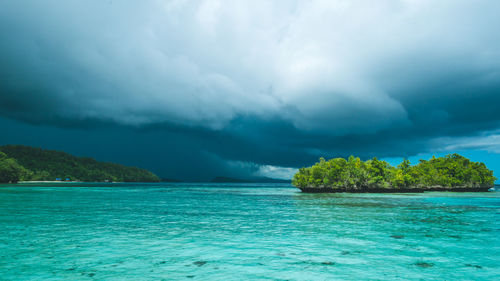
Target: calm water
(242, 232)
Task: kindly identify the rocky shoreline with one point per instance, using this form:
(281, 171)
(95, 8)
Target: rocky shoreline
(392, 190)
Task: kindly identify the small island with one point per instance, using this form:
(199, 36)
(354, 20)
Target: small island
(24, 163)
(450, 173)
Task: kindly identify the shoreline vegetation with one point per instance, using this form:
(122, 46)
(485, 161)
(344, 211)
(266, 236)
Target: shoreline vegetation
(26, 164)
(452, 172)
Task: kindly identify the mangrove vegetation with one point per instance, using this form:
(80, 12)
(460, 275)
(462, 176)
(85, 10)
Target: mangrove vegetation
(451, 172)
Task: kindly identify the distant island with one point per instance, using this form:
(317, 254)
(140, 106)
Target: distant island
(450, 173)
(251, 180)
(24, 163)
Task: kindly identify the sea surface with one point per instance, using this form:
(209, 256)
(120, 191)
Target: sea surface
(244, 232)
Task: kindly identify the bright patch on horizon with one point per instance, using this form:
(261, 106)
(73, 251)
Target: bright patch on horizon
(276, 172)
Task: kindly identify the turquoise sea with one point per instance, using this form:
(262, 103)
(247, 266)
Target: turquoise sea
(244, 232)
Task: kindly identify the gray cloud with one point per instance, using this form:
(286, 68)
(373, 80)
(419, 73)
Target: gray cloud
(276, 83)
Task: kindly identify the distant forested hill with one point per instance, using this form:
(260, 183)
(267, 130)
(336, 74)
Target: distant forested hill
(39, 164)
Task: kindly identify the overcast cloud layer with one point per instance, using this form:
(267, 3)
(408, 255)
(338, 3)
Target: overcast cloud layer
(275, 83)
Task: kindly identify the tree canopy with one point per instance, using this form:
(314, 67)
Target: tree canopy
(19, 162)
(450, 171)
(10, 170)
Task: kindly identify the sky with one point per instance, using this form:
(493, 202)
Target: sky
(197, 89)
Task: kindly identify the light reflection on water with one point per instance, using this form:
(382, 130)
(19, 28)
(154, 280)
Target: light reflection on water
(244, 231)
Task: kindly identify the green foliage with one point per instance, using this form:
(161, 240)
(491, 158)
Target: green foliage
(49, 165)
(450, 171)
(10, 170)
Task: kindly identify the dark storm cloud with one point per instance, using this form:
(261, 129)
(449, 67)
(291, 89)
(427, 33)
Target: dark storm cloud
(254, 83)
